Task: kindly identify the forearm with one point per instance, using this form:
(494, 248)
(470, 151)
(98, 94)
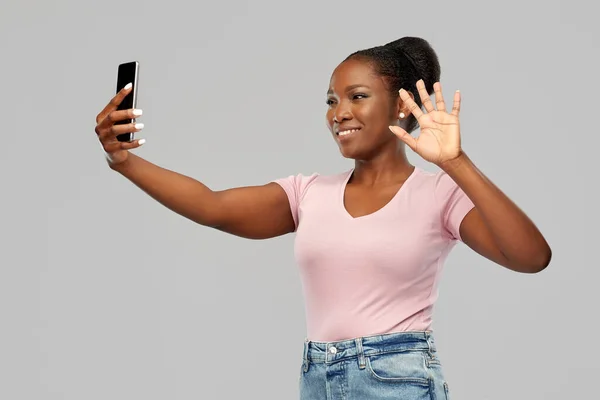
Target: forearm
(181, 194)
(515, 234)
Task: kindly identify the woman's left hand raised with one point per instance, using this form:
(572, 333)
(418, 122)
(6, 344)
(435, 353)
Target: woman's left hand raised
(439, 139)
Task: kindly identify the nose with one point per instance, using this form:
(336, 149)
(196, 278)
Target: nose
(341, 113)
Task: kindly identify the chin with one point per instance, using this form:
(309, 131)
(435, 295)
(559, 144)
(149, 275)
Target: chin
(353, 154)
(357, 149)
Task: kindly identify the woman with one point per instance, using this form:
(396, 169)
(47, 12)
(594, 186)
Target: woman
(370, 242)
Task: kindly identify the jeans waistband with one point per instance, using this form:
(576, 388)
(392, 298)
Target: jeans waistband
(331, 352)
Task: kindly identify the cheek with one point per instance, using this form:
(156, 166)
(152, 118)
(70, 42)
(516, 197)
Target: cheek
(329, 118)
(373, 114)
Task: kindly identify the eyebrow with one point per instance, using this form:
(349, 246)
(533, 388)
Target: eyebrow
(349, 88)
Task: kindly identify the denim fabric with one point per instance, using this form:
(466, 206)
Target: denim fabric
(392, 366)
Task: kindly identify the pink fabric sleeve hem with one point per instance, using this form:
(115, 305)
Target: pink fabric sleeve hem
(286, 185)
(454, 205)
(459, 213)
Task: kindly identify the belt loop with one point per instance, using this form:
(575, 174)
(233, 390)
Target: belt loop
(360, 352)
(305, 356)
(430, 346)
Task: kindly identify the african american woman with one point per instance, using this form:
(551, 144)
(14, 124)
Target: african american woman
(370, 242)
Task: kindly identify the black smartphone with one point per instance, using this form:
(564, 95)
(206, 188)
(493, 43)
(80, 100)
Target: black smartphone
(127, 73)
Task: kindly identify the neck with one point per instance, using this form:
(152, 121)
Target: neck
(387, 167)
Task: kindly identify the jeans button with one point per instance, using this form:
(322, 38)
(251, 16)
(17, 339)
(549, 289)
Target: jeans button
(332, 350)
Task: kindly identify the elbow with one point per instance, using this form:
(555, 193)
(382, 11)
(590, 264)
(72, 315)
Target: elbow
(533, 262)
(541, 261)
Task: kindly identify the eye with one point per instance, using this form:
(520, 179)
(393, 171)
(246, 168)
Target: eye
(329, 101)
(359, 96)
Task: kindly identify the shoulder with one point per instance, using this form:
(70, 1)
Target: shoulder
(439, 183)
(426, 181)
(435, 189)
(299, 184)
(445, 197)
(431, 177)
(314, 186)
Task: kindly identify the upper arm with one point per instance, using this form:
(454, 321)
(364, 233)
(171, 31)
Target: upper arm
(462, 221)
(475, 234)
(254, 212)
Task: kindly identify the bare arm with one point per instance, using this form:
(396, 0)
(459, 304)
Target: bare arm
(254, 212)
(496, 228)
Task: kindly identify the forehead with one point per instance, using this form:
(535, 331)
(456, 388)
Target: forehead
(352, 73)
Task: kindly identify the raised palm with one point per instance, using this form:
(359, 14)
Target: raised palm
(439, 138)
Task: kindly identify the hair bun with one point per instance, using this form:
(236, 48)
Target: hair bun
(421, 55)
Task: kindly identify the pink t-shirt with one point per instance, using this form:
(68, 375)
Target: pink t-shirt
(377, 273)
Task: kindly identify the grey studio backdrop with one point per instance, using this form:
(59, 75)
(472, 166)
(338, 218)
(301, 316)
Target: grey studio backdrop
(105, 294)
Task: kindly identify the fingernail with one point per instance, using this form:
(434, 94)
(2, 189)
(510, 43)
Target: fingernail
(129, 85)
(141, 141)
(139, 126)
(137, 112)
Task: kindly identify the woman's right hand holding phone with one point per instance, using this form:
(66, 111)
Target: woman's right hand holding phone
(256, 212)
(107, 131)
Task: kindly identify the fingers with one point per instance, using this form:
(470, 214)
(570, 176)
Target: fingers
(425, 98)
(110, 132)
(440, 104)
(114, 103)
(111, 122)
(107, 126)
(410, 103)
(117, 116)
(113, 147)
(456, 105)
(404, 136)
(439, 97)
(133, 144)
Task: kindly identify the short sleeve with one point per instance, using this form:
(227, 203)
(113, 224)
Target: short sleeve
(453, 204)
(295, 186)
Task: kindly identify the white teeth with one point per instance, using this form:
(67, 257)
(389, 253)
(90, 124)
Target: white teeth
(344, 133)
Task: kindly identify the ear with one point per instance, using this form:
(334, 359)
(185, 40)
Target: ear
(401, 107)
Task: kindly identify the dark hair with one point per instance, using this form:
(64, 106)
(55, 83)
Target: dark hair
(402, 63)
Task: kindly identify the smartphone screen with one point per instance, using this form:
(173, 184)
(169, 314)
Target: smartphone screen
(127, 73)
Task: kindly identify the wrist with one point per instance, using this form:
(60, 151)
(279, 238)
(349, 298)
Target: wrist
(455, 164)
(118, 167)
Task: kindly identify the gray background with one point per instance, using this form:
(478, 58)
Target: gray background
(105, 294)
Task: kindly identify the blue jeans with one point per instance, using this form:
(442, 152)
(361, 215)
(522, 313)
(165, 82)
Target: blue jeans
(391, 366)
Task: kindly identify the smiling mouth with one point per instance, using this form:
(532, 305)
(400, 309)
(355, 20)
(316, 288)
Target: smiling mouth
(347, 132)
